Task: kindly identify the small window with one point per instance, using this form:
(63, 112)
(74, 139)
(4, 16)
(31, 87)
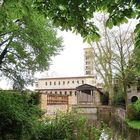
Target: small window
(68, 82)
(75, 93)
(63, 82)
(77, 82)
(55, 92)
(60, 93)
(82, 82)
(54, 83)
(73, 82)
(36, 84)
(128, 86)
(46, 83)
(65, 92)
(70, 93)
(50, 83)
(59, 83)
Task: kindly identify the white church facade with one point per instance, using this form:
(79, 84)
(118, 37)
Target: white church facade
(61, 93)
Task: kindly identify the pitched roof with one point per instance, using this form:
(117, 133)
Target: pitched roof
(87, 87)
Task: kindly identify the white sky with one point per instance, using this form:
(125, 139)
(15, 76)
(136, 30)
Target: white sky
(69, 62)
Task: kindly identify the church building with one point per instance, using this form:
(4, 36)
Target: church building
(62, 93)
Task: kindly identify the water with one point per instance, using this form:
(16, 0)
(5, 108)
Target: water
(119, 130)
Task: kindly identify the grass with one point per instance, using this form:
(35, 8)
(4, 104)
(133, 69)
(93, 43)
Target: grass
(135, 124)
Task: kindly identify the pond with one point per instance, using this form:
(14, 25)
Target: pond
(119, 130)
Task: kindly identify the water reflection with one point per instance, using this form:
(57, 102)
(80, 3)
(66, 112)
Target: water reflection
(119, 130)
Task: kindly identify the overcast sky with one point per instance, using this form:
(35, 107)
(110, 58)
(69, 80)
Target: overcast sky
(70, 61)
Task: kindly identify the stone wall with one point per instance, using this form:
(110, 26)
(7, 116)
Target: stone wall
(131, 92)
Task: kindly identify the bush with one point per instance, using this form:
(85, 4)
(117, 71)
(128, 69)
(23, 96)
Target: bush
(18, 117)
(133, 111)
(118, 99)
(69, 126)
(137, 106)
(105, 98)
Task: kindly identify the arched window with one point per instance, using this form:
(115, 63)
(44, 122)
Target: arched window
(70, 93)
(134, 99)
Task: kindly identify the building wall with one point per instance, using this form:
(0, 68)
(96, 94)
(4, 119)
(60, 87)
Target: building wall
(131, 92)
(65, 83)
(53, 109)
(61, 86)
(88, 60)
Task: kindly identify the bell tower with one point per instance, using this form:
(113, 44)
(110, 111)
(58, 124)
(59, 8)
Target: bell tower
(88, 61)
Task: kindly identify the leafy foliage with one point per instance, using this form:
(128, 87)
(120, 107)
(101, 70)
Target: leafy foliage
(134, 124)
(18, 117)
(119, 97)
(69, 126)
(27, 41)
(21, 118)
(137, 106)
(134, 111)
(77, 15)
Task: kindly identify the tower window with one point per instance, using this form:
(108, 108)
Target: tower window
(70, 93)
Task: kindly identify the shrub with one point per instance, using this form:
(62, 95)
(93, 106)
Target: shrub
(18, 117)
(105, 98)
(118, 99)
(137, 106)
(133, 111)
(69, 126)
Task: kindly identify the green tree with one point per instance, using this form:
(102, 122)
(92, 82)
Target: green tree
(112, 53)
(19, 115)
(27, 41)
(77, 15)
